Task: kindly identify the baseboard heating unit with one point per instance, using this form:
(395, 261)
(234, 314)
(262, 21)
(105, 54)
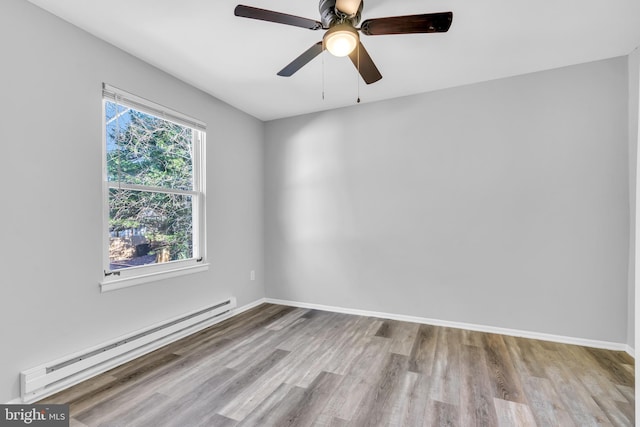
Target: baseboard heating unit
(47, 379)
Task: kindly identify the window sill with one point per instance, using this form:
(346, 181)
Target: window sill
(125, 282)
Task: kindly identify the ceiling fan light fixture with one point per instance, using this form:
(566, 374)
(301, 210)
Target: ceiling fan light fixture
(340, 40)
(349, 7)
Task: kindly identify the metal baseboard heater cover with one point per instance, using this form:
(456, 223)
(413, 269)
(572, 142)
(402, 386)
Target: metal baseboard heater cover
(44, 380)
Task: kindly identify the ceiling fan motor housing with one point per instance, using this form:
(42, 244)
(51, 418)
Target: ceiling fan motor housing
(330, 16)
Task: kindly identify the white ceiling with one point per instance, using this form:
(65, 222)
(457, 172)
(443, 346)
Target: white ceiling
(236, 59)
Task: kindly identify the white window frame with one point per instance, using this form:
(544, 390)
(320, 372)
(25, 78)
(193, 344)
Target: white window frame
(132, 276)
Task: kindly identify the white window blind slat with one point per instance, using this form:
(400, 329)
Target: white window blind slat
(127, 99)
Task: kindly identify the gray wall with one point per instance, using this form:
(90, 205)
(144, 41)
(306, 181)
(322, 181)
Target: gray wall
(50, 116)
(504, 204)
(634, 95)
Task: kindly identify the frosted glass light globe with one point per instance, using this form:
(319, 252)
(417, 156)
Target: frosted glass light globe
(341, 39)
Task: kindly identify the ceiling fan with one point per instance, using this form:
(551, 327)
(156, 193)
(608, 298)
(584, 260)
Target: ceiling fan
(339, 18)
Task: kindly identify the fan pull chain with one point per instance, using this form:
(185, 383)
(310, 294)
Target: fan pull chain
(323, 76)
(358, 75)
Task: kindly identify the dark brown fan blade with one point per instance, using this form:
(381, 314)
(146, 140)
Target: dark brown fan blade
(277, 17)
(365, 65)
(427, 23)
(301, 60)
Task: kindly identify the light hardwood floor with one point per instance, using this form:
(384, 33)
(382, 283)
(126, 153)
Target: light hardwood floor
(284, 366)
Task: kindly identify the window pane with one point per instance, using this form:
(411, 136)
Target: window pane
(147, 150)
(149, 228)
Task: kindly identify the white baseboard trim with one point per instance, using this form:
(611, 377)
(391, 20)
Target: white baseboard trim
(249, 306)
(630, 351)
(460, 325)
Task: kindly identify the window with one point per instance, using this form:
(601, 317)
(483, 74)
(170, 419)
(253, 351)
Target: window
(153, 173)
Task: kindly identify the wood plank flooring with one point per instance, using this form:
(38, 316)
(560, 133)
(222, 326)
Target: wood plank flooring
(284, 366)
